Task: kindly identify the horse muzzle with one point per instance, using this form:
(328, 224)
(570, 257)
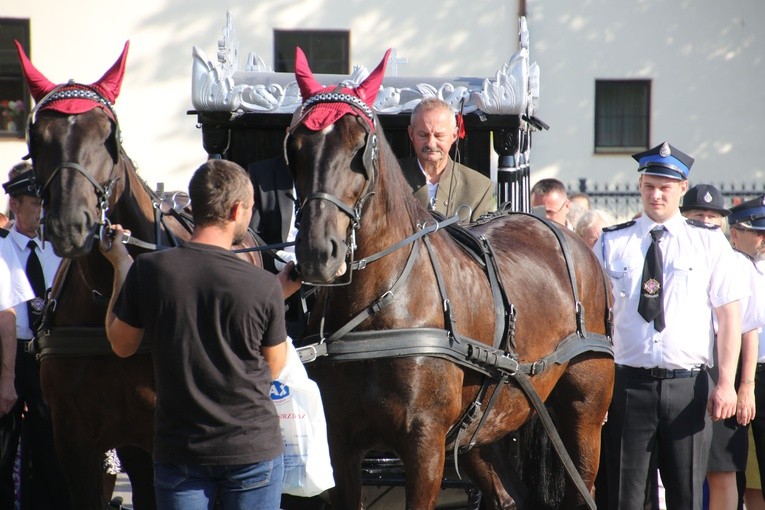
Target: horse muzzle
(320, 260)
(70, 237)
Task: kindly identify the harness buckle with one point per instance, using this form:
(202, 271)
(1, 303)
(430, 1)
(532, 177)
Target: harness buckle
(381, 301)
(538, 367)
(308, 353)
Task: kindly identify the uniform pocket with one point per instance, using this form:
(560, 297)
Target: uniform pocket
(625, 274)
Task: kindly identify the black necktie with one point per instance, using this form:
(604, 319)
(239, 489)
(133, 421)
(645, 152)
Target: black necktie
(37, 281)
(651, 305)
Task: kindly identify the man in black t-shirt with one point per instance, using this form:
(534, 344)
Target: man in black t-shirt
(216, 329)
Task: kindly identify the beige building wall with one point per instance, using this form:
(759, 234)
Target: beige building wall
(706, 60)
(445, 38)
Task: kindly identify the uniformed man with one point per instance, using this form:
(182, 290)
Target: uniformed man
(747, 232)
(45, 482)
(730, 441)
(14, 289)
(668, 274)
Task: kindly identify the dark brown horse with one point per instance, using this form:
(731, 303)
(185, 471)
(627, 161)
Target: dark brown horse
(355, 205)
(98, 400)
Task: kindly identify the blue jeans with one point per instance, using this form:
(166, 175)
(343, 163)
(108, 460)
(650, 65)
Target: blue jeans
(196, 486)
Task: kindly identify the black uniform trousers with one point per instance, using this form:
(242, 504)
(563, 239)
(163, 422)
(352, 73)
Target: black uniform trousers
(664, 419)
(42, 478)
(758, 424)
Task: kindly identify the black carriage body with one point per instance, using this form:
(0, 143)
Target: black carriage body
(253, 136)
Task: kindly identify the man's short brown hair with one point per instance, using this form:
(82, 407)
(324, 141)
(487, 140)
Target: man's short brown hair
(546, 186)
(214, 188)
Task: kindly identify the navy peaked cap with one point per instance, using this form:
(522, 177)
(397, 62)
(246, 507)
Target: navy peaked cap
(666, 161)
(749, 214)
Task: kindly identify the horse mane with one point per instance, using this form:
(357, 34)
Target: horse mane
(400, 202)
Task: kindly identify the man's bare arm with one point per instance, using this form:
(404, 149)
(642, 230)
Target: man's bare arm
(7, 360)
(276, 357)
(722, 401)
(125, 339)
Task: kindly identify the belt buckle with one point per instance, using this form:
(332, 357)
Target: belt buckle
(661, 373)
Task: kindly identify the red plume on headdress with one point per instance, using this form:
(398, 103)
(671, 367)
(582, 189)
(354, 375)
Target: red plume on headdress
(108, 85)
(307, 83)
(39, 85)
(368, 89)
(326, 114)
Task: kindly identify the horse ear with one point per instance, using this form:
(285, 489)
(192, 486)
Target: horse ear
(368, 89)
(39, 85)
(307, 83)
(110, 83)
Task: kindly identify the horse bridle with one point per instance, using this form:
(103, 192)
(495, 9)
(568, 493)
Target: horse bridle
(369, 161)
(73, 90)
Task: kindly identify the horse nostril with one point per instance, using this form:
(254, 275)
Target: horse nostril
(334, 248)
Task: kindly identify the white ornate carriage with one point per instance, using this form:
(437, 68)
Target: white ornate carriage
(256, 103)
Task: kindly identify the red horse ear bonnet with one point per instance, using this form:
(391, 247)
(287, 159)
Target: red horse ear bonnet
(323, 114)
(108, 86)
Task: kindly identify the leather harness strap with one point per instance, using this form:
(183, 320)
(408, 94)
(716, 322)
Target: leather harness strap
(498, 362)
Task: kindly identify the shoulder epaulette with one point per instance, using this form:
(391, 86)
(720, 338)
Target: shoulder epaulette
(619, 226)
(4, 232)
(701, 224)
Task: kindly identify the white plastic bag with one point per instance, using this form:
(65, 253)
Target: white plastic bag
(307, 467)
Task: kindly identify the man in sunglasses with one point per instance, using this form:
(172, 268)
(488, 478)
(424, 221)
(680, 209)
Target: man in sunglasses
(549, 199)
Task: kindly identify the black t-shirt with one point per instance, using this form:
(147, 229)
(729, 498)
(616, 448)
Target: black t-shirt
(206, 313)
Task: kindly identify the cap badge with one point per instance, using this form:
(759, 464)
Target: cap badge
(651, 287)
(664, 150)
(707, 197)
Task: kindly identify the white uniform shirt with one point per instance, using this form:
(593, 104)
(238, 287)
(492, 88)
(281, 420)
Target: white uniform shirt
(49, 262)
(758, 282)
(699, 275)
(752, 310)
(14, 286)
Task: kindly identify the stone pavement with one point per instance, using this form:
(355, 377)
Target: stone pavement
(123, 490)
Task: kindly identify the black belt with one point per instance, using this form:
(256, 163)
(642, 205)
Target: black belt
(760, 367)
(660, 373)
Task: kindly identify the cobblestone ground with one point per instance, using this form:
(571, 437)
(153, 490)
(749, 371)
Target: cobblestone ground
(122, 489)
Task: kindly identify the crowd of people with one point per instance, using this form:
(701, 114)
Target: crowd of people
(688, 301)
